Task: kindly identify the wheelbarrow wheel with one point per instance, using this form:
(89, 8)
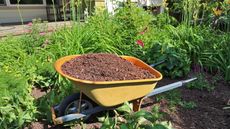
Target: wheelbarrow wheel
(70, 105)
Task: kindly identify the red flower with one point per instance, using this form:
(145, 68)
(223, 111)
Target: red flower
(140, 42)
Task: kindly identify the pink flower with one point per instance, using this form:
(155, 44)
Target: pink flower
(140, 42)
(30, 24)
(42, 33)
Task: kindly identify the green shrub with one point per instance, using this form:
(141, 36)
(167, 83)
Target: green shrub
(102, 33)
(177, 64)
(133, 23)
(16, 103)
(162, 46)
(217, 57)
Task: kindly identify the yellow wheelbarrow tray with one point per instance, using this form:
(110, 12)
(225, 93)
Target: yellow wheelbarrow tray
(112, 93)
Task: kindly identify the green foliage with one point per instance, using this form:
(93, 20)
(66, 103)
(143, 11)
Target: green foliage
(36, 37)
(218, 56)
(177, 64)
(21, 68)
(163, 46)
(202, 12)
(16, 59)
(135, 120)
(172, 97)
(28, 59)
(188, 105)
(102, 33)
(61, 89)
(201, 83)
(16, 103)
(132, 21)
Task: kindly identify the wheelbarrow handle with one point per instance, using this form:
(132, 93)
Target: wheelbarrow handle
(158, 63)
(170, 87)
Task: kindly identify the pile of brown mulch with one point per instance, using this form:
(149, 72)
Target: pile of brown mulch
(104, 67)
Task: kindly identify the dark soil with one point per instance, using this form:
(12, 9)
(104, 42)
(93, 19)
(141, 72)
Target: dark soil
(104, 67)
(209, 113)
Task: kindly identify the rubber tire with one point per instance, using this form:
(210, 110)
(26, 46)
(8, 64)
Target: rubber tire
(68, 100)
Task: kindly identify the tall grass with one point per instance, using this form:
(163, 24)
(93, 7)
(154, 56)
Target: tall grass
(191, 9)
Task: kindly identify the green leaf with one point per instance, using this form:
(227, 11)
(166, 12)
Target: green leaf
(123, 126)
(145, 114)
(159, 126)
(126, 107)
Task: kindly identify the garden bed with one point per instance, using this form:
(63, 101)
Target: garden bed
(185, 46)
(208, 113)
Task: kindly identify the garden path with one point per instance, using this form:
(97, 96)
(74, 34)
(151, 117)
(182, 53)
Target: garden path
(16, 30)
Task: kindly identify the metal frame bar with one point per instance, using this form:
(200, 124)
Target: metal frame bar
(169, 87)
(74, 116)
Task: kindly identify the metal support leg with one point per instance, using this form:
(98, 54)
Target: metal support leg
(137, 104)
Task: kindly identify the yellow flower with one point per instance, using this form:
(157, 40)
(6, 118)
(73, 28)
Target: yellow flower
(217, 11)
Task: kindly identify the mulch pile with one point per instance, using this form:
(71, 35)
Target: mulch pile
(104, 67)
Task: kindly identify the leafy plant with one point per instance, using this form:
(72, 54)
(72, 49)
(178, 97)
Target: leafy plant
(176, 62)
(61, 89)
(135, 120)
(220, 58)
(16, 103)
(133, 23)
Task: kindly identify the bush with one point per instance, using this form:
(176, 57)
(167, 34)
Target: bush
(16, 103)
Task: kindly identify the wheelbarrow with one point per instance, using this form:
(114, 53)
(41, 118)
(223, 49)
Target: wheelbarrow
(97, 96)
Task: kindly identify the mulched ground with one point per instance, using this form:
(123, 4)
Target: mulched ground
(104, 67)
(209, 113)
